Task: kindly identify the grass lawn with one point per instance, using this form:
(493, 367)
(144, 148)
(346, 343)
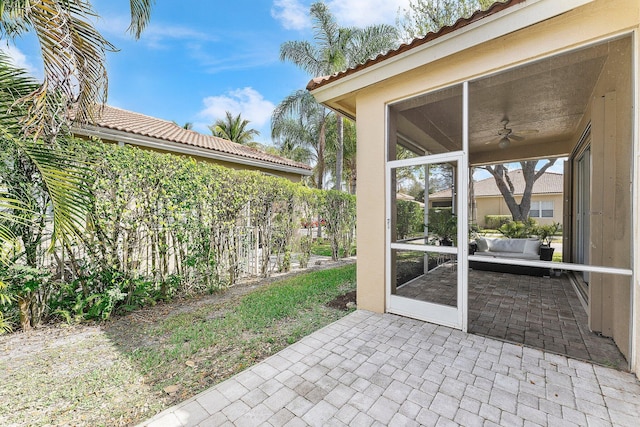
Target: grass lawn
(323, 248)
(127, 370)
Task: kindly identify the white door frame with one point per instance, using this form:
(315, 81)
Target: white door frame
(455, 317)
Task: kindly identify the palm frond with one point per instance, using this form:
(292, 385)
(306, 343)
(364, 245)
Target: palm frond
(140, 16)
(368, 42)
(65, 177)
(63, 173)
(304, 55)
(73, 54)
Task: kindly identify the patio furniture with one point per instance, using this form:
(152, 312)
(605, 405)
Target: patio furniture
(528, 249)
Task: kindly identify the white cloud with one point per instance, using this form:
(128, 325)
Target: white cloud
(19, 59)
(156, 33)
(294, 14)
(246, 101)
(361, 13)
(291, 13)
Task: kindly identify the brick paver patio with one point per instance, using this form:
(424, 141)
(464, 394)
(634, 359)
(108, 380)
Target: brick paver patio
(373, 369)
(541, 312)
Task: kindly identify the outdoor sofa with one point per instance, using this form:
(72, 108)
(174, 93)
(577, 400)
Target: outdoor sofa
(526, 249)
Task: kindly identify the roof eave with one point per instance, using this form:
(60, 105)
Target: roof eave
(496, 25)
(164, 145)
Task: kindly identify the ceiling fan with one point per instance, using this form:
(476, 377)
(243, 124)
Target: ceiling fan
(506, 135)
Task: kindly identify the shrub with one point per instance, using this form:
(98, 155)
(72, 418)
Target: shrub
(410, 219)
(339, 211)
(496, 221)
(163, 225)
(519, 229)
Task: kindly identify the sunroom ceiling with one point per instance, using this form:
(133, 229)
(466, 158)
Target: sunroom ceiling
(544, 102)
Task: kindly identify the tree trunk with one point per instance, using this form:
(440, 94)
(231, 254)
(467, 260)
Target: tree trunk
(320, 159)
(24, 305)
(473, 214)
(339, 153)
(519, 212)
(320, 169)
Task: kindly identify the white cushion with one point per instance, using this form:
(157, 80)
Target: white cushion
(483, 244)
(508, 255)
(508, 245)
(531, 246)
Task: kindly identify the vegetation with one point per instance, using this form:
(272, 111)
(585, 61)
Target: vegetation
(160, 226)
(546, 233)
(38, 170)
(234, 129)
(409, 219)
(335, 49)
(443, 225)
(519, 229)
(73, 54)
(496, 221)
(339, 211)
(135, 366)
(529, 228)
(298, 126)
(425, 16)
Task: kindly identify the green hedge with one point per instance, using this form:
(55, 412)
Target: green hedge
(410, 219)
(496, 221)
(162, 225)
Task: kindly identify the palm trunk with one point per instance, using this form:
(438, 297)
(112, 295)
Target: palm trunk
(320, 169)
(339, 153)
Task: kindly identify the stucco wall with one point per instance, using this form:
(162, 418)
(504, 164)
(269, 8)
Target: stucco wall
(610, 240)
(370, 196)
(497, 206)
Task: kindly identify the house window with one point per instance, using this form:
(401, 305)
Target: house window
(541, 209)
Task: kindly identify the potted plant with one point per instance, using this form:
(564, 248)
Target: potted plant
(474, 233)
(443, 225)
(546, 235)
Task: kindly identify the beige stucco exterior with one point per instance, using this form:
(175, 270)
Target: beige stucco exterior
(366, 95)
(496, 205)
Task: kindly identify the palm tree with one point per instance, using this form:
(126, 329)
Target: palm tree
(32, 115)
(63, 174)
(336, 49)
(299, 123)
(349, 151)
(73, 53)
(233, 129)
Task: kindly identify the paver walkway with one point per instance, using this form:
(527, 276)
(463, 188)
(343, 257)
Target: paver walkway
(373, 369)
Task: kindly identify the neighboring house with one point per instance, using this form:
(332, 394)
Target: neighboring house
(546, 198)
(126, 127)
(526, 79)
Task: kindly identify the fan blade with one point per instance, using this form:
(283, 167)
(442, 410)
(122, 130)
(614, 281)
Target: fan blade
(516, 137)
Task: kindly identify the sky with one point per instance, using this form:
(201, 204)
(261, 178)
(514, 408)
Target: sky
(198, 59)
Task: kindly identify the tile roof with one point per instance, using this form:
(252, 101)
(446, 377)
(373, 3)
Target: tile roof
(496, 7)
(141, 125)
(548, 183)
